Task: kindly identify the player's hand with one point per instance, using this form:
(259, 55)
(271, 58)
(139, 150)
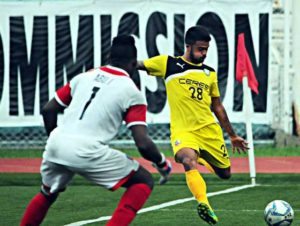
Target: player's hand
(164, 171)
(238, 144)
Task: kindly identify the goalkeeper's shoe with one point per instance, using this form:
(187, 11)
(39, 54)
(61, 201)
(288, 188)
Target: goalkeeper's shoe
(164, 171)
(207, 214)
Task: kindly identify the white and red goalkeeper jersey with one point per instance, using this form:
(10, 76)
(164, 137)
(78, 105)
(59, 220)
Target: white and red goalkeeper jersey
(97, 103)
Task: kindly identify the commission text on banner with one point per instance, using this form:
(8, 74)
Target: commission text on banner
(42, 46)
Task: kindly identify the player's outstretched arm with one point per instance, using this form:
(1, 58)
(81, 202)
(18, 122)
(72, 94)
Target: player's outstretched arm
(50, 112)
(237, 142)
(149, 151)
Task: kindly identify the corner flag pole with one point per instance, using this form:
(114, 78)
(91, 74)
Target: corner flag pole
(248, 116)
(245, 74)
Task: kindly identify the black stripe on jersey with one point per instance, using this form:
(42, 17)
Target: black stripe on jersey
(176, 65)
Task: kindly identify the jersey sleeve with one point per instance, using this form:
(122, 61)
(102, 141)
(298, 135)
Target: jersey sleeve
(156, 66)
(63, 95)
(135, 107)
(214, 90)
(136, 115)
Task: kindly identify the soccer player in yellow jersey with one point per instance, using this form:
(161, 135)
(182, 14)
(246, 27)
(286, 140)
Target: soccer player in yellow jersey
(193, 94)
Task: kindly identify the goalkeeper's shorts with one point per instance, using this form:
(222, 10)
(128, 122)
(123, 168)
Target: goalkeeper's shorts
(66, 155)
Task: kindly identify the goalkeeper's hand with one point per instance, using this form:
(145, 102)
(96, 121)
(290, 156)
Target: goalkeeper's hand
(164, 169)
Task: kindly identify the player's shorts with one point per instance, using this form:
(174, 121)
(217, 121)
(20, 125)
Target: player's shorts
(102, 165)
(208, 142)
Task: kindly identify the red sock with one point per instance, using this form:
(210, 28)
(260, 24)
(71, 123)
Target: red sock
(132, 201)
(35, 211)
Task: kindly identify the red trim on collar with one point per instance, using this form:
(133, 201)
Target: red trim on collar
(112, 71)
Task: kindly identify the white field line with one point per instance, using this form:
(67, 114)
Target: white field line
(166, 204)
(215, 209)
(219, 210)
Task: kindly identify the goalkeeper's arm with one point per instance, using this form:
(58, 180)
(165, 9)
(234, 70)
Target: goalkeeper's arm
(149, 151)
(50, 112)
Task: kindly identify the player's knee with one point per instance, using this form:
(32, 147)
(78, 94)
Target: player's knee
(141, 176)
(188, 158)
(148, 180)
(189, 163)
(51, 197)
(225, 175)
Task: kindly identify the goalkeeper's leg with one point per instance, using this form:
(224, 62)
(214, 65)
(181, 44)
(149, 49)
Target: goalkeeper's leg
(38, 207)
(139, 188)
(56, 177)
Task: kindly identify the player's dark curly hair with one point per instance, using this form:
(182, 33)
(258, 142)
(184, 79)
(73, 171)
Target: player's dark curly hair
(196, 33)
(123, 49)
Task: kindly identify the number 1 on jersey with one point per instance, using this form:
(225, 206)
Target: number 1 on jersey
(94, 91)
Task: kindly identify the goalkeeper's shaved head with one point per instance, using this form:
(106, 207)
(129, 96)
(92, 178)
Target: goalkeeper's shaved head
(123, 53)
(123, 49)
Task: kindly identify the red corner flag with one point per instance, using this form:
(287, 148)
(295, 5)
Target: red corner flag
(244, 66)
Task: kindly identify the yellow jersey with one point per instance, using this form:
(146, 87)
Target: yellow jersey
(189, 91)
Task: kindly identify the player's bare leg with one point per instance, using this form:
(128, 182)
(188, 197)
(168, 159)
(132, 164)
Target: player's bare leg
(222, 173)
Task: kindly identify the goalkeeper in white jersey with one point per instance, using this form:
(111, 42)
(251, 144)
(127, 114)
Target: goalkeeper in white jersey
(95, 104)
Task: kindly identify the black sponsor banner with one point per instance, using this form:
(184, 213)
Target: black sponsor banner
(43, 49)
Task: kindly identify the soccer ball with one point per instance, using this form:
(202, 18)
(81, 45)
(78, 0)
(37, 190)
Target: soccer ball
(279, 213)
